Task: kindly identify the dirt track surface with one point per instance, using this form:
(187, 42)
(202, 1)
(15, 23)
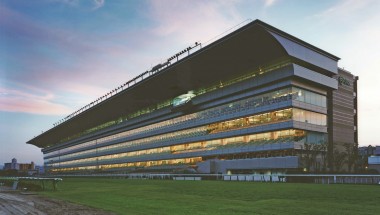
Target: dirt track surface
(12, 202)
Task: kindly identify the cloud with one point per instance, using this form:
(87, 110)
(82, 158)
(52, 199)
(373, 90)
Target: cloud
(83, 90)
(269, 3)
(192, 21)
(86, 4)
(347, 7)
(19, 101)
(32, 35)
(354, 24)
(98, 4)
(345, 10)
(53, 58)
(72, 3)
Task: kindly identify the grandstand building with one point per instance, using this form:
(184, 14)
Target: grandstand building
(256, 100)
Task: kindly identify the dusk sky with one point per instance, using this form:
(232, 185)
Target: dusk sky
(59, 55)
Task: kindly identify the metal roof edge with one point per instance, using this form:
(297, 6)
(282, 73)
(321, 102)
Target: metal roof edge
(294, 39)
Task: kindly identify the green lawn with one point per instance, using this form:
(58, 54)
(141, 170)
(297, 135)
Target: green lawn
(218, 197)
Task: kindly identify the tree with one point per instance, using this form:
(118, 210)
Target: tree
(339, 159)
(352, 155)
(306, 156)
(323, 153)
(310, 153)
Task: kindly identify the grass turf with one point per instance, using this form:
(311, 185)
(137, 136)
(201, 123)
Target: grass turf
(218, 197)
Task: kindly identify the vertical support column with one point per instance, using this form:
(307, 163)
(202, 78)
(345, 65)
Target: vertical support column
(330, 144)
(356, 135)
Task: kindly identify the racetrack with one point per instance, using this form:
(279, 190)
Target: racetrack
(14, 202)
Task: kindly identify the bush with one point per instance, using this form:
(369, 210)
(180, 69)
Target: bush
(372, 171)
(30, 186)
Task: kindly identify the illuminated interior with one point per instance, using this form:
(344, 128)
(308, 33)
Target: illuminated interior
(242, 105)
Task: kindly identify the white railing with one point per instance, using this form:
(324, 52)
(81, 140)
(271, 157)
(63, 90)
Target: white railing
(306, 178)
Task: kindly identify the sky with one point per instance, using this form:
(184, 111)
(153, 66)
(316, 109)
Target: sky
(57, 56)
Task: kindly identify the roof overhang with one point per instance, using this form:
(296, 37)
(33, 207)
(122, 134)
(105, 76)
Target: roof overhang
(247, 48)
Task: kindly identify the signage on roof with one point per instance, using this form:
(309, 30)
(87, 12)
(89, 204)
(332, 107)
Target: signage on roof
(343, 81)
(183, 99)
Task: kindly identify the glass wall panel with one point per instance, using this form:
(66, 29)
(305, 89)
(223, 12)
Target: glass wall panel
(254, 139)
(244, 122)
(316, 138)
(245, 104)
(309, 97)
(309, 117)
(180, 161)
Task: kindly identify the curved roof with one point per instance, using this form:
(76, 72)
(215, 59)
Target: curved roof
(247, 48)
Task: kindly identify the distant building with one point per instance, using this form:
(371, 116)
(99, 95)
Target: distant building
(369, 157)
(20, 167)
(377, 150)
(374, 163)
(12, 165)
(374, 160)
(40, 169)
(368, 150)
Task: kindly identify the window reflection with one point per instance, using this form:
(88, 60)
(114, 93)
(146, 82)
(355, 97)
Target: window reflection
(250, 103)
(181, 161)
(254, 139)
(244, 122)
(247, 140)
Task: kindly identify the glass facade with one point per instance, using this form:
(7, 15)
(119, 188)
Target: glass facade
(239, 141)
(309, 97)
(254, 139)
(171, 162)
(239, 123)
(231, 108)
(309, 117)
(97, 154)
